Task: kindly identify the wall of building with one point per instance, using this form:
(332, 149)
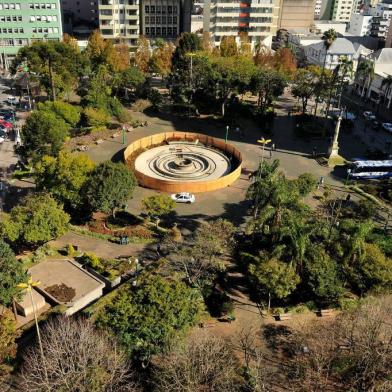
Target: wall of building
(81, 11)
(296, 14)
(160, 18)
(119, 20)
(360, 25)
(23, 22)
(259, 19)
(388, 40)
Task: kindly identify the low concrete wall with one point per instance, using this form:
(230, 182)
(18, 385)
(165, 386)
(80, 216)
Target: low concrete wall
(175, 186)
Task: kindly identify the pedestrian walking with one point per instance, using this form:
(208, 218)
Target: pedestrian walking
(314, 152)
(320, 182)
(270, 155)
(158, 249)
(273, 147)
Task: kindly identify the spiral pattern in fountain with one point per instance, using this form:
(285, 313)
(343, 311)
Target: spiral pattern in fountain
(183, 162)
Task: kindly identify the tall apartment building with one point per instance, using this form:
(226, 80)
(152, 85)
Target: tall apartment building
(336, 10)
(81, 11)
(119, 20)
(342, 10)
(165, 18)
(257, 18)
(22, 22)
(382, 19)
(388, 39)
(296, 14)
(360, 25)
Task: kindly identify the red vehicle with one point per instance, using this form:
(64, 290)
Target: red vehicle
(5, 123)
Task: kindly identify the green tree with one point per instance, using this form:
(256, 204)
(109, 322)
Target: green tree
(129, 79)
(306, 183)
(374, 270)
(305, 83)
(64, 176)
(11, 274)
(57, 64)
(364, 74)
(321, 275)
(43, 134)
(329, 37)
(231, 75)
(65, 111)
(274, 278)
(158, 205)
(146, 318)
(268, 84)
(110, 185)
(96, 118)
(37, 220)
(187, 43)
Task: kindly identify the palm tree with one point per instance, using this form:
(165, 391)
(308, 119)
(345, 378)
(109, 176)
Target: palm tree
(329, 37)
(344, 70)
(365, 74)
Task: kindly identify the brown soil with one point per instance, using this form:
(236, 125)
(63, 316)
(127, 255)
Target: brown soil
(61, 292)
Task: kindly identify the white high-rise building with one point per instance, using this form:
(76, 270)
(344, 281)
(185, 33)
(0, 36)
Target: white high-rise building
(342, 10)
(257, 18)
(360, 25)
(381, 20)
(119, 20)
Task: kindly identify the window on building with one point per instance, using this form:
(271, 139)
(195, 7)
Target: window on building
(147, 31)
(147, 9)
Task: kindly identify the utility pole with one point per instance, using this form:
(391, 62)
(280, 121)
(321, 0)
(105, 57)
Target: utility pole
(29, 287)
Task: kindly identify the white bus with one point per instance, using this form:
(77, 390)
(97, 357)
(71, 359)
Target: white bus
(370, 170)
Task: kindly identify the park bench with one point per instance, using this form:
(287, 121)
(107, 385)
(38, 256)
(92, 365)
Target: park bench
(282, 316)
(325, 312)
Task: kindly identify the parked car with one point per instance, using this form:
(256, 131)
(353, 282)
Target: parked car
(369, 116)
(5, 123)
(183, 197)
(12, 100)
(387, 127)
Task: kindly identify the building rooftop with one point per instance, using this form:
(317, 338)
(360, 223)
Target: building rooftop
(382, 56)
(340, 46)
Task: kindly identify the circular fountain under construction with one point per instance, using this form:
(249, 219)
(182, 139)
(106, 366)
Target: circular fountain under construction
(183, 162)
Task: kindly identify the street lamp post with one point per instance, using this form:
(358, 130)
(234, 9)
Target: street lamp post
(29, 287)
(123, 134)
(263, 142)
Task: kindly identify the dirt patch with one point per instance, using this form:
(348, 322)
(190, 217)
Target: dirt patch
(61, 292)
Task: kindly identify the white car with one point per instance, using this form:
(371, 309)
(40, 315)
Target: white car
(387, 127)
(183, 197)
(12, 100)
(369, 116)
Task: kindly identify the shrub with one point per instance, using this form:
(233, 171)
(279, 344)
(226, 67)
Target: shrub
(306, 183)
(96, 117)
(125, 117)
(141, 105)
(69, 113)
